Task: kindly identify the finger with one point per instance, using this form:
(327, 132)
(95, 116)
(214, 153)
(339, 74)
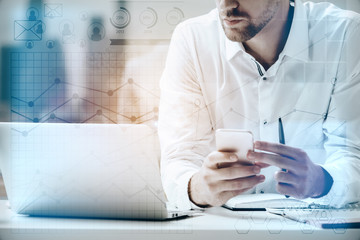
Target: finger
(241, 183)
(281, 149)
(215, 159)
(286, 177)
(262, 165)
(274, 160)
(233, 164)
(290, 190)
(236, 172)
(286, 189)
(227, 195)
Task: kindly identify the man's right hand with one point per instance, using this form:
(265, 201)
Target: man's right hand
(222, 177)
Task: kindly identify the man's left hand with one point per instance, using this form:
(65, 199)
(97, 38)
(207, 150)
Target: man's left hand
(303, 178)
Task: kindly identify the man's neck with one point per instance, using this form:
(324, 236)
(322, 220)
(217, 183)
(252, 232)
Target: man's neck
(266, 46)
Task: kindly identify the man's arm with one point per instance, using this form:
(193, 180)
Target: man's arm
(337, 181)
(185, 129)
(342, 125)
(187, 137)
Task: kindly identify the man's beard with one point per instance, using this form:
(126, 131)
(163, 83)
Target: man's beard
(253, 27)
(245, 34)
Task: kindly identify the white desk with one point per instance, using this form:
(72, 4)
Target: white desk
(215, 223)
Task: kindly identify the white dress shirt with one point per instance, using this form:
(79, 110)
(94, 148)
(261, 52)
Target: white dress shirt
(210, 82)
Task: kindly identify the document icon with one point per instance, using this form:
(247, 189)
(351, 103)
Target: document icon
(53, 10)
(26, 30)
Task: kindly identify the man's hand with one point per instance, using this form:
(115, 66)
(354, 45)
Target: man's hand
(303, 178)
(222, 177)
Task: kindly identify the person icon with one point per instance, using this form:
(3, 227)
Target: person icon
(50, 44)
(66, 30)
(83, 16)
(29, 45)
(82, 43)
(32, 16)
(96, 36)
(39, 29)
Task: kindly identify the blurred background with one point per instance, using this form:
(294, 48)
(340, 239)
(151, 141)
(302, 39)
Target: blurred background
(86, 61)
(89, 61)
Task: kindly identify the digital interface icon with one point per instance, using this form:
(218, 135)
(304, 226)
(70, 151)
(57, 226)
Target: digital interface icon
(28, 30)
(99, 83)
(29, 44)
(53, 10)
(175, 16)
(66, 29)
(32, 14)
(96, 32)
(83, 16)
(50, 44)
(149, 17)
(82, 43)
(121, 18)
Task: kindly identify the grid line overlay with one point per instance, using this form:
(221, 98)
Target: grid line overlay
(95, 87)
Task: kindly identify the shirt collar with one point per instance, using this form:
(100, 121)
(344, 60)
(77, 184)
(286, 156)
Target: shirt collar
(297, 44)
(232, 48)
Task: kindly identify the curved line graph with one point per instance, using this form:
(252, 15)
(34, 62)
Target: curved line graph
(140, 102)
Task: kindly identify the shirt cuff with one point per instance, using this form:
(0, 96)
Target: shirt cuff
(337, 195)
(182, 200)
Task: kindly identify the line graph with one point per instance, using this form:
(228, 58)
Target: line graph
(110, 93)
(110, 87)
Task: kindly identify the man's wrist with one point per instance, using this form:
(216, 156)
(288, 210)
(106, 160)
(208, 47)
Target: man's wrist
(190, 191)
(327, 182)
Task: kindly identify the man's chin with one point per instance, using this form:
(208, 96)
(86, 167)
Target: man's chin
(236, 36)
(239, 34)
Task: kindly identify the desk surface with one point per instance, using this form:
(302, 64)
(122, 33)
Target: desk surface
(214, 223)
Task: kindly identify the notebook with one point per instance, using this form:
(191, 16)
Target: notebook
(321, 216)
(330, 218)
(259, 202)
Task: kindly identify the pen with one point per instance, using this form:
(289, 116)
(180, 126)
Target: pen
(282, 140)
(332, 93)
(283, 214)
(294, 218)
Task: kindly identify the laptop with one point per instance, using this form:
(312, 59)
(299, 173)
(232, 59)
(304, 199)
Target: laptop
(83, 170)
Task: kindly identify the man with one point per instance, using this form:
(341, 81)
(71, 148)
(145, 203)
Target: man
(245, 65)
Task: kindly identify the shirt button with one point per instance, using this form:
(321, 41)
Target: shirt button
(264, 78)
(265, 122)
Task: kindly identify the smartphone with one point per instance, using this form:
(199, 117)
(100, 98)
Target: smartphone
(235, 140)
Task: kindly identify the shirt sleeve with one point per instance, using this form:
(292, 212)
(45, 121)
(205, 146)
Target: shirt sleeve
(342, 127)
(184, 127)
